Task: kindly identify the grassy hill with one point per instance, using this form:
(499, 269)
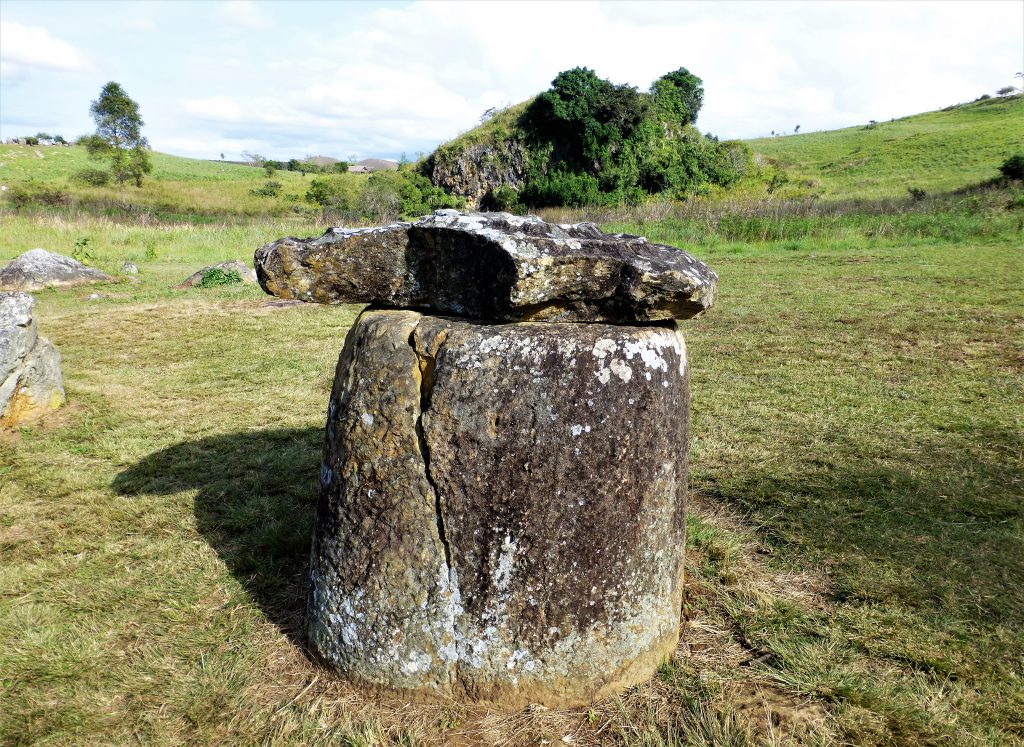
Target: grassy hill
(177, 188)
(935, 151)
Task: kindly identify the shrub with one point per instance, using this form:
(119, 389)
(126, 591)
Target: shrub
(31, 141)
(1013, 167)
(331, 194)
(505, 199)
(215, 276)
(269, 189)
(82, 252)
(92, 177)
(31, 193)
(916, 193)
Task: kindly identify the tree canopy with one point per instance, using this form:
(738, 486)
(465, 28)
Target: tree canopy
(118, 135)
(591, 141)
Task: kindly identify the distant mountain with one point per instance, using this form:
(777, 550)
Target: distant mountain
(369, 165)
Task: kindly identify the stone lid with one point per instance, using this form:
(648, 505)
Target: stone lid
(492, 266)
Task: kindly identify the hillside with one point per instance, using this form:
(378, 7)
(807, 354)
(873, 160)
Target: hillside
(177, 187)
(588, 141)
(935, 151)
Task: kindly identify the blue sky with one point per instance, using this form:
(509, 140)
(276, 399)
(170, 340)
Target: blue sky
(291, 79)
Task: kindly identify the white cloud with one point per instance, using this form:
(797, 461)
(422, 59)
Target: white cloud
(243, 13)
(33, 47)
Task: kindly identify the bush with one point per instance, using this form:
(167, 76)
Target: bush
(92, 177)
(916, 193)
(505, 199)
(33, 194)
(82, 252)
(1013, 167)
(215, 276)
(269, 189)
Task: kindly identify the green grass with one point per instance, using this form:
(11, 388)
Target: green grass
(936, 151)
(857, 536)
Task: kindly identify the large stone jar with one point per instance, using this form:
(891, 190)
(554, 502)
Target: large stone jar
(502, 507)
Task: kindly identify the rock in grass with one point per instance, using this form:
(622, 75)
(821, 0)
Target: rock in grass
(245, 273)
(38, 269)
(130, 268)
(502, 508)
(492, 266)
(30, 377)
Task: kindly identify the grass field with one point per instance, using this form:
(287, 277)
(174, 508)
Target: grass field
(936, 151)
(856, 536)
(177, 190)
(857, 533)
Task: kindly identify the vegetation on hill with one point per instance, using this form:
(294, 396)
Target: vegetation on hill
(936, 151)
(64, 179)
(587, 141)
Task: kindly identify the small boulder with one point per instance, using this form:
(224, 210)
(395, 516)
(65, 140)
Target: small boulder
(38, 269)
(246, 273)
(130, 268)
(30, 377)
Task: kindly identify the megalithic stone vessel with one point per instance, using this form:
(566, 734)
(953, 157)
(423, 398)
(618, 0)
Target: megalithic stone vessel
(503, 491)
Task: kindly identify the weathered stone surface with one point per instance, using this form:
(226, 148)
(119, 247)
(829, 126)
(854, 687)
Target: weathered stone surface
(477, 170)
(130, 268)
(37, 269)
(245, 272)
(502, 508)
(492, 266)
(30, 378)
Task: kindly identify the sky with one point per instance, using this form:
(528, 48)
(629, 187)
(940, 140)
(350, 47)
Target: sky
(378, 79)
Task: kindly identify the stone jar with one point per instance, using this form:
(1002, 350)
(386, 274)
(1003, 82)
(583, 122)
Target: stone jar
(502, 510)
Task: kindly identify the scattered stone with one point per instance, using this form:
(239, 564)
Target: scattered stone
(130, 268)
(30, 377)
(492, 266)
(234, 265)
(38, 269)
(502, 508)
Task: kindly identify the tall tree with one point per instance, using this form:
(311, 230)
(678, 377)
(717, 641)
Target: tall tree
(679, 94)
(119, 135)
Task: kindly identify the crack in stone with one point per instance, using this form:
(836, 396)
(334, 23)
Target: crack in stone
(426, 367)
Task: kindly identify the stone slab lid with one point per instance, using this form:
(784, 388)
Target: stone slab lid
(492, 266)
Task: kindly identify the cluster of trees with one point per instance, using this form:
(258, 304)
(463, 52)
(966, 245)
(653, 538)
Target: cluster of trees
(43, 138)
(293, 164)
(593, 142)
(384, 196)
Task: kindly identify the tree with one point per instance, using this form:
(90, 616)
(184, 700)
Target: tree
(796, 130)
(1005, 91)
(119, 135)
(679, 94)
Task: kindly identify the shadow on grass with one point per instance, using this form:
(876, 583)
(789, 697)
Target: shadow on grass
(942, 531)
(255, 506)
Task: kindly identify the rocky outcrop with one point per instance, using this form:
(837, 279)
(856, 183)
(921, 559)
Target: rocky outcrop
(492, 266)
(245, 273)
(475, 171)
(502, 508)
(38, 269)
(30, 377)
